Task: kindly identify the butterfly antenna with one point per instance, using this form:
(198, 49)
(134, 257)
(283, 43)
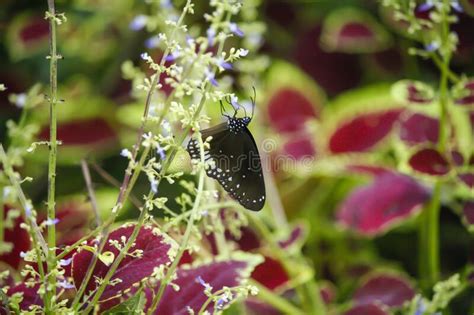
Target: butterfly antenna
(223, 109)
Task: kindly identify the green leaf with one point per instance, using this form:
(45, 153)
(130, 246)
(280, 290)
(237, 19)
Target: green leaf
(133, 305)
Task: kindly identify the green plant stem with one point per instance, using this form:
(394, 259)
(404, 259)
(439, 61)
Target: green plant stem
(39, 243)
(2, 217)
(53, 147)
(309, 292)
(429, 240)
(276, 301)
(187, 234)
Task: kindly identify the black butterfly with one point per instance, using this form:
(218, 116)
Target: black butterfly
(234, 160)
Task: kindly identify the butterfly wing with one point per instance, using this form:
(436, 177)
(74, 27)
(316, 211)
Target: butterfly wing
(236, 164)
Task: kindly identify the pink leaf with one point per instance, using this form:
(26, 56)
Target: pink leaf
(419, 128)
(376, 207)
(192, 285)
(289, 109)
(388, 289)
(156, 251)
(429, 161)
(299, 147)
(368, 309)
(363, 132)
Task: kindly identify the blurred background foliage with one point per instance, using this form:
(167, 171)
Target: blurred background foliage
(316, 77)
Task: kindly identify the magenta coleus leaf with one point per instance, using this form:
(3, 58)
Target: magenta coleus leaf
(388, 289)
(353, 31)
(192, 283)
(15, 236)
(289, 109)
(429, 161)
(363, 132)
(299, 147)
(156, 250)
(327, 71)
(418, 128)
(270, 273)
(296, 237)
(82, 132)
(413, 92)
(467, 178)
(374, 208)
(368, 309)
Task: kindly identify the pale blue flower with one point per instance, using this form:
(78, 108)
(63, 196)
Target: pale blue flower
(65, 262)
(431, 47)
(65, 285)
(211, 76)
(138, 22)
(51, 221)
(428, 5)
(234, 28)
(166, 4)
(211, 35)
(154, 186)
(173, 56)
(224, 64)
(152, 42)
(456, 6)
(144, 56)
(161, 153)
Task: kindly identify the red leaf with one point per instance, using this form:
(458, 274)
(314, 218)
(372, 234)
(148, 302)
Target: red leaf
(378, 206)
(270, 273)
(191, 293)
(429, 161)
(335, 72)
(353, 31)
(157, 251)
(363, 132)
(18, 237)
(288, 110)
(369, 309)
(37, 28)
(299, 147)
(82, 132)
(387, 289)
(419, 128)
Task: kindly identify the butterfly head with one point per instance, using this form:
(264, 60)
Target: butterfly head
(237, 125)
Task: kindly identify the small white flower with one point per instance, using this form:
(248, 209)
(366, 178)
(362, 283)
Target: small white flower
(65, 285)
(145, 56)
(20, 100)
(125, 153)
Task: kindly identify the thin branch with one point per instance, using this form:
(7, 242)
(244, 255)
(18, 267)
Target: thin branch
(90, 190)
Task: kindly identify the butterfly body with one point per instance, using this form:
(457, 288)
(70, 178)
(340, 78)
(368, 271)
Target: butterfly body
(234, 161)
